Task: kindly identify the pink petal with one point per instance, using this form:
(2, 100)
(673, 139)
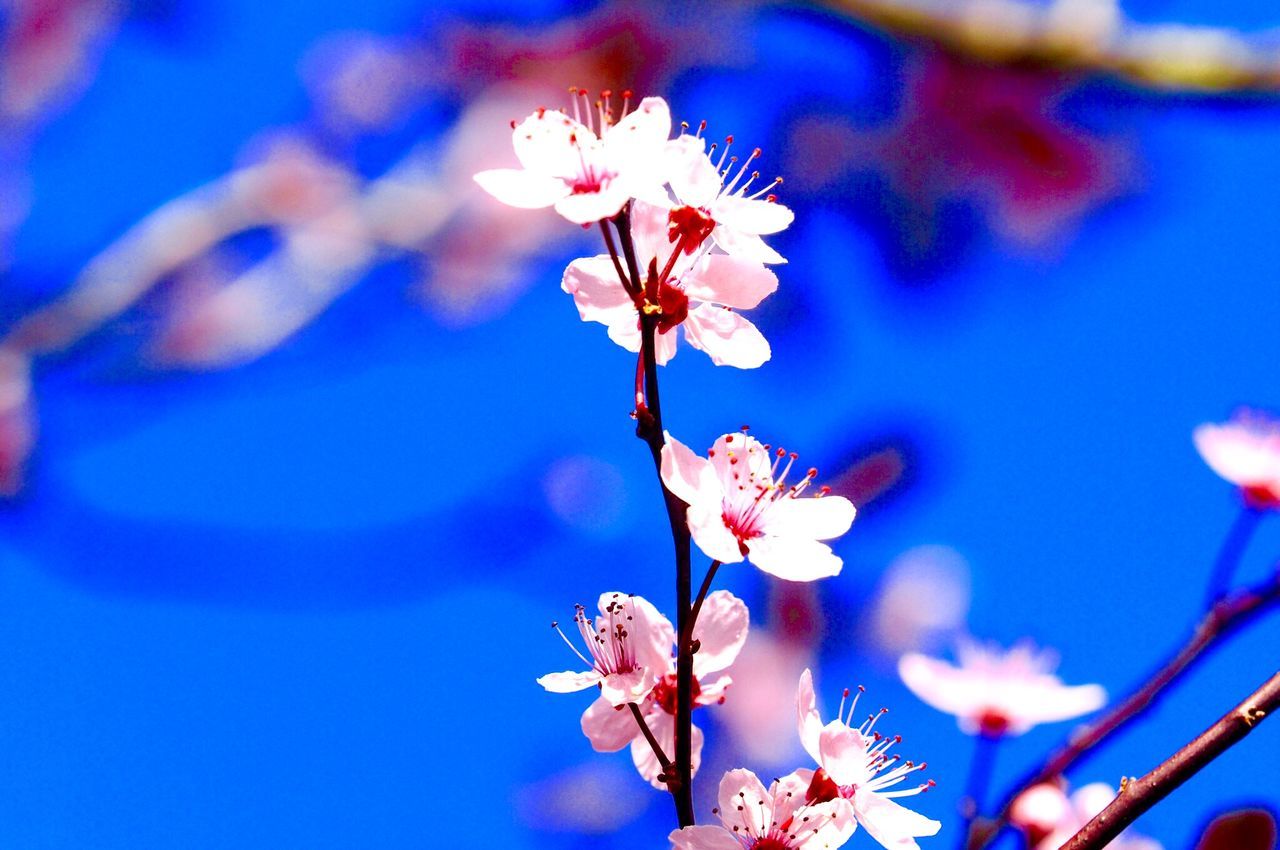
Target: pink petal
(837, 824)
(665, 347)
(721, 630)
(711, 691)
(638, 142)
(819, 518)
(844, 753)
(649, 234)
(543, 143)
(597, 292)
(729, 339)
(746, 246)
(731, 281)
(693, 176)
(1061, 702)
(652, 636)
(754, 217)
(788, 794)
(663, 726)
(590, 207)
(703, 838)
(626, 333)
(793, 558)
(894, 826)
(808, 723)
(939, 684)
(744, 802)
(730, 453)
(687, 475)
(569, 681)
(607, 727)
(706, 524)
(527, 190)
(622, 688)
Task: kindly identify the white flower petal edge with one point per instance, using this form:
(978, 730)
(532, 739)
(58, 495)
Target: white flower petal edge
(1246, 453)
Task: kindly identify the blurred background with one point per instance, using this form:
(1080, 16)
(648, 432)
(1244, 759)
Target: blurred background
(302, 446)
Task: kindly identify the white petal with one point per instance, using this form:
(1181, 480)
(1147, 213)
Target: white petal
(653, 637)
(664, 347)
(793, 558)
(609, 728)
(744, 802)
(590, 207)
(544, 143)
(720, 631)
(706, 524)
(844, 753)
(731, 281)
(820, 518)
(569, 681)
(712, 691)
(527, 190)
(808, 723)
(693, 176)
(622, 688)
(638, 142)
(663, 726)
(728, 338)
(837, 824)
(687, 475)
(626, 334)
(730, 453)
(597, 292)
(754, 217)
(788, 794)
(940, 684)
(649, 235)
(1060, 702)
(746, 246)
(703, 838)
(895, 827)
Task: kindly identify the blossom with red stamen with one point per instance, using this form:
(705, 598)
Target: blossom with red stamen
(995, 692)
(687, 286)
(719, 632)
(777, 818)
(741, 507)
(625, 650)
(718, 188)
(587, 166)
(1246, 452)
(854, 763)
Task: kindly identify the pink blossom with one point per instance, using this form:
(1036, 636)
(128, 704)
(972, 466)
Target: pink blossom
(1246, 452)
(701, 293)
(740, 507)
(626, 650)
(855, 765)
(1049, 818)
(717, 189)
(755, 818)
(720, 632)
(997, 692)
(586, 176)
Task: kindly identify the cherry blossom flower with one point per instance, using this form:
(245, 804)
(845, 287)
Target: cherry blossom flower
(855, 765)
(1049, 818)
(741, 507)
(586, 175)
(625, 650)
(755, 818)
(717, 189)
(995, 692)
(1246, 452)
(721, 630)
(699, 291)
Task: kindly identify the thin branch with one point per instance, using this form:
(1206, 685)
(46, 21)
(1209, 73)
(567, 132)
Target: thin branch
(623, 277)
(653, 741)
(698, 600)
(1227, 616)
(1139, 795)
(1224, 566)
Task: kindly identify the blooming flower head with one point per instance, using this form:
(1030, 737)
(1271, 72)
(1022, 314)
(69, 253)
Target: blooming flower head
(995, 692)
(741, 507)
(720, 631)
(855, 765)
(587, 169)
(1049, 818)
(1246, 452)
(755, 818)
(686, 285)
(625, 650)
(716, 187)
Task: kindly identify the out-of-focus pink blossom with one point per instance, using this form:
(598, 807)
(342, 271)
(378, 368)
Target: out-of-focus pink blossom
(17, 420)
(854, 764)
(741, 507)
(922, 600)
(995, 692)
(720, 632)
(701, 294)
(1049, 818)
(586, 174)
(1246, 452)
(778, 818)
(627, 648)
(759, 715)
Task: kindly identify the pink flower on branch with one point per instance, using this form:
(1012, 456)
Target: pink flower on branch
(741, 507)
(855, 765)
(720, 632)
(687, 286)
(995, 692)
(625, 650)
(586, 170)
(1049, 818)
(777, 818)
(1246, 452)
(716, 187)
